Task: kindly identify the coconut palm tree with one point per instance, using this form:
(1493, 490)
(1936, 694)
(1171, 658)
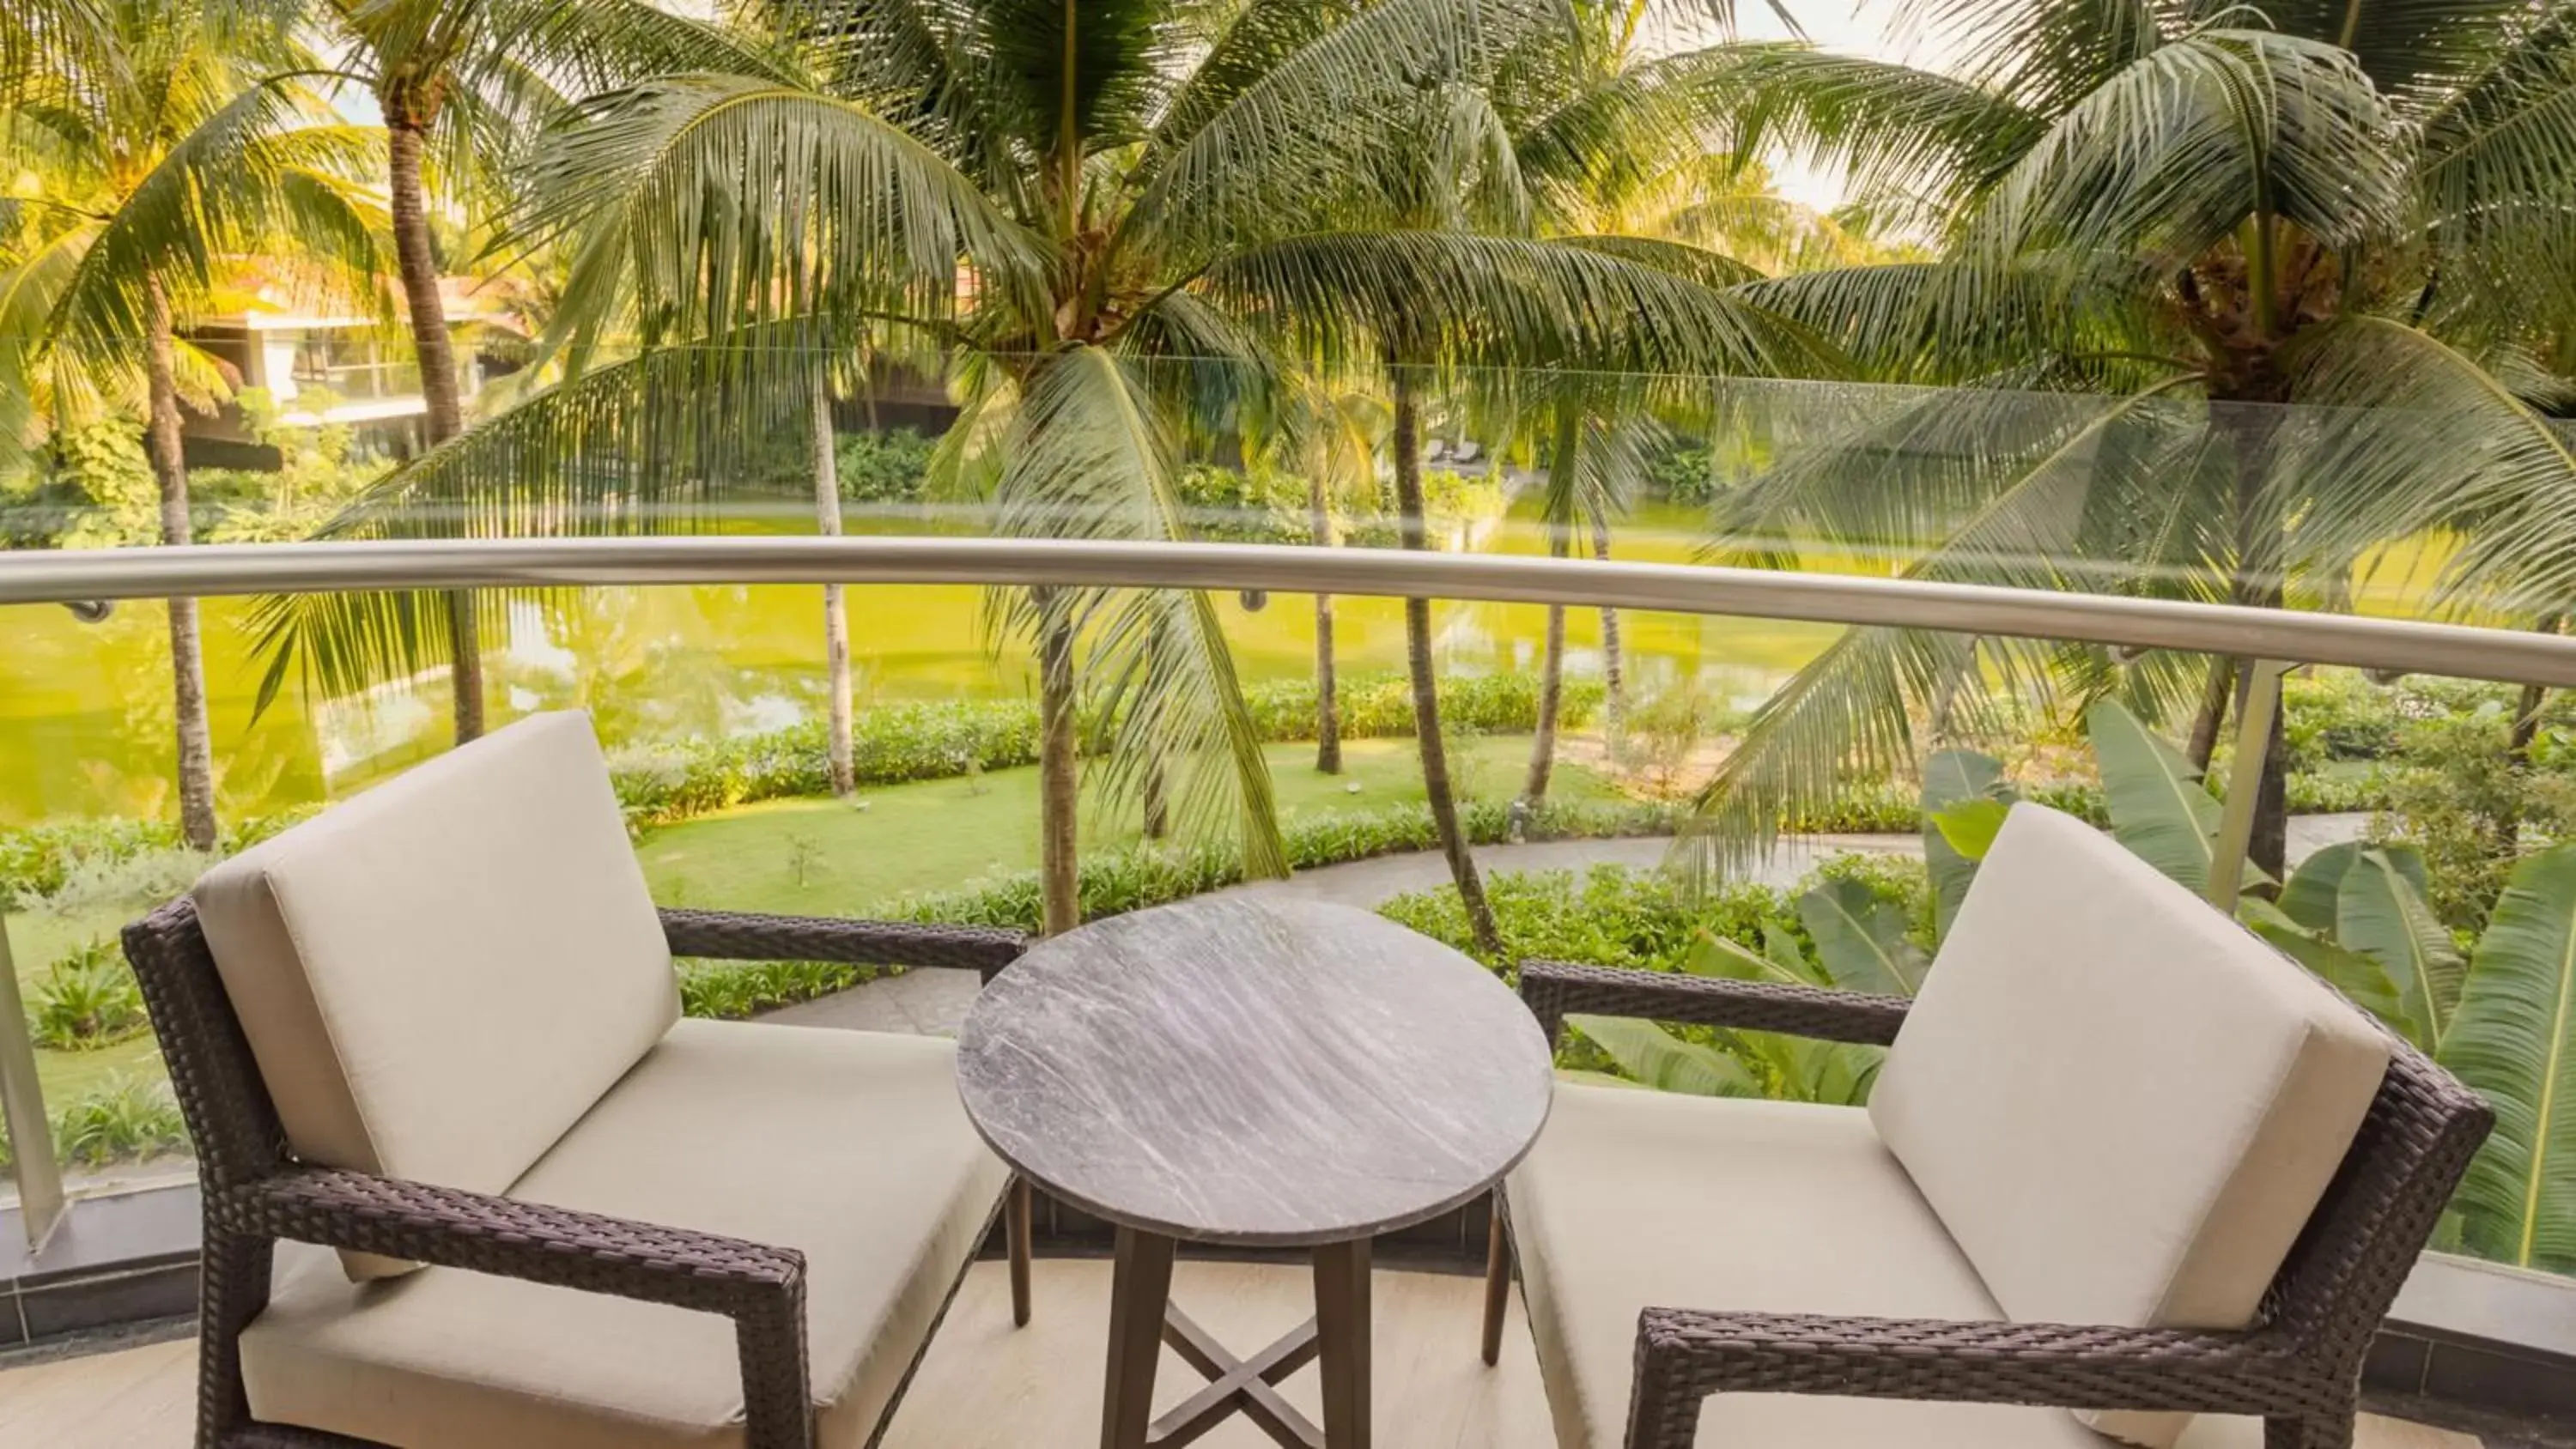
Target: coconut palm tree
(1330, 436)
(1107, 215)
(2224, 300)
(167, 152)
(464, 80)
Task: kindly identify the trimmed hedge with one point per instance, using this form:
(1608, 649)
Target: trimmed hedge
(897, 743)
(1130, 879)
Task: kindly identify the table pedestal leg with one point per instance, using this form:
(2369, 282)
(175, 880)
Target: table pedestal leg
(1142, 1319)
(1140, 1284)
(1342, 1323)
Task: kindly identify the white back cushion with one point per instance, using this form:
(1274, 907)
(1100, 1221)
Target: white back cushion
(2122, 1105)
(439, 976)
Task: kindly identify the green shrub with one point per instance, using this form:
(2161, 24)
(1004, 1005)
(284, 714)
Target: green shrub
(128, 1119)
(889, 744)
(1380, 706)
(1684, 473)
(882, 467)
(1608, 916)
(1236, 507)
(2338, 714)
(2456, 791)
(40, 861)
(88, 999)
(896, 743)
(732, 990)
(1130, 879)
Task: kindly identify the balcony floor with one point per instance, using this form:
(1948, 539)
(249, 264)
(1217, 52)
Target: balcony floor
(986, 1386)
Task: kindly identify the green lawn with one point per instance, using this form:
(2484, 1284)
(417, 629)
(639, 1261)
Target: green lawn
(944, 833)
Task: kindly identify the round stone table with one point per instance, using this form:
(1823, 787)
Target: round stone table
(1251, 1073)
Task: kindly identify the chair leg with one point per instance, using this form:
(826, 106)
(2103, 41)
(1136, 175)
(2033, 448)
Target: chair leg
(233, 1276)
(1015, 1213)
(1498, 1282)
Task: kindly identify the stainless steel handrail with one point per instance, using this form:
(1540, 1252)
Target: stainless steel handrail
(2387, 645)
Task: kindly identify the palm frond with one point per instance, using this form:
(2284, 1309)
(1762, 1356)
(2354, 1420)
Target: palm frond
(2167, 158)
(1091, 458)
(2412, 436)
(1353, 296)
(261, 170)
(715, 203)
(1845, 716)
(1318, 121)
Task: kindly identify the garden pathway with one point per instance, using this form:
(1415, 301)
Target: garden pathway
(934, 1002)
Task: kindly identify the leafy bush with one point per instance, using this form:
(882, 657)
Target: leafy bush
(1380, 706)
(88, 999)
(731, 990)
(882, 467)
(128, 1119)
(892, 744)
(43, 861)
(2457, 792)
(1608, 916)
(2338, 714)
(1684, 473)
(1245, 507)
(1138, 876)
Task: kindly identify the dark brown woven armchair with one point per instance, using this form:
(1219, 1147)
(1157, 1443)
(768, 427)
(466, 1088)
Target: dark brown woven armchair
(257, 1193)
(2298, 1367)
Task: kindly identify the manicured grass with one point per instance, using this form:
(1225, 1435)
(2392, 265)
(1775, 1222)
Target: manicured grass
(824, 857)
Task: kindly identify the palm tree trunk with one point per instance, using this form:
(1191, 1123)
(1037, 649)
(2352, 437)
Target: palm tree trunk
(2206, 721)
(1158, 807)
(1328, 705)
(2258, 584)
(1614, 665)
(406, 136)
(1407, 443)
(1059, 865)
(1551, 671)
(836, 618)
(187, 652)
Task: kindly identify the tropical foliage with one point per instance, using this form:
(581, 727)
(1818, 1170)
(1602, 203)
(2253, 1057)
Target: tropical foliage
(2157, 223)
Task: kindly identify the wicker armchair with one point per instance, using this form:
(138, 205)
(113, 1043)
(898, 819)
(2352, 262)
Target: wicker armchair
(259, 1192)
(2295, 1366)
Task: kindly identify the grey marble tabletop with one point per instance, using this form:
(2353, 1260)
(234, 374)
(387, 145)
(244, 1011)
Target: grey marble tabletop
(1277, 1073)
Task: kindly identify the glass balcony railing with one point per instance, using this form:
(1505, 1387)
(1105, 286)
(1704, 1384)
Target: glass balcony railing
(1733, 693)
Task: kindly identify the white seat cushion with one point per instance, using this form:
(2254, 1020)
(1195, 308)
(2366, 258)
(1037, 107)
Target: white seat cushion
(439, 976)
(2123, 1106)
(849, 1146)
(1636, 1199)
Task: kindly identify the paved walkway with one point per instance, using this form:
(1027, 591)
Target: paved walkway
(934, 1002)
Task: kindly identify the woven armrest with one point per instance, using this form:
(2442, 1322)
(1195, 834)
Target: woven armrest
(1557, 989)
(761, 1288)
(745, 936)
(1683, 1356)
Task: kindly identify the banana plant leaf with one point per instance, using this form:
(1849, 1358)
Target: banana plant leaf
(2358, 976)
(1954, 780)
(2381, 912)
(2310, 894)
(1860, 939)
(2159, 809)
(1665, 1062)
(2514, 1042)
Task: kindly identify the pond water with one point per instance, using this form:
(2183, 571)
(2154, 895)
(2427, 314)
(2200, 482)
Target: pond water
(85, 713)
